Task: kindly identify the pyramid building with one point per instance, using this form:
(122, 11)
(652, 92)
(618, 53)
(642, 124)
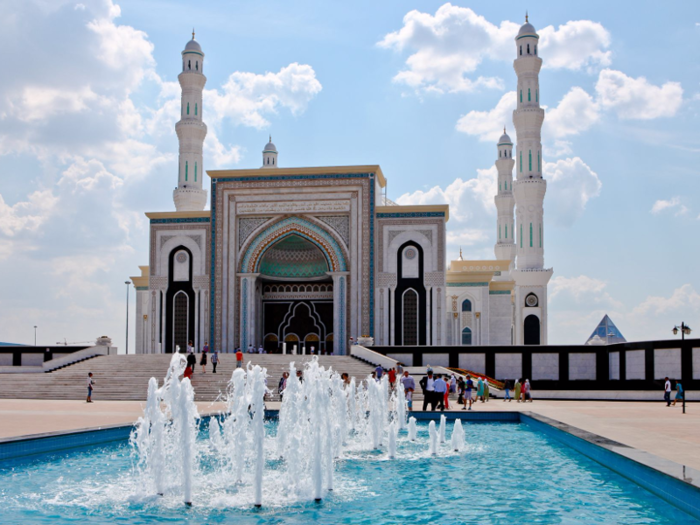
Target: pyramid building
(606, 333)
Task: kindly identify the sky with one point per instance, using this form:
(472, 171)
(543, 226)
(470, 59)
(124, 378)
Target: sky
(89, 99)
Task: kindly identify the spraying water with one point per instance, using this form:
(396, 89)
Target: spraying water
(457, 441)
(412, 429)
(441, 428)
(393, 431)
(432, 433)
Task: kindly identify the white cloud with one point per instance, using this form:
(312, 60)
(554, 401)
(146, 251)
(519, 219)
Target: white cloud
(576, 112)
(26, 215)
(488, 125)
(636, 98)
(571, 184)
(683, 300)
(669, 204)
(449, 46)
(248, 97)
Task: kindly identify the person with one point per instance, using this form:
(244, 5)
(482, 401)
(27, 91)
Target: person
(487, 390)
(203, 362)
(282, 384)
(260, 349)
(667, 392)
(205, 349)
(392, 378)
(214, 360)
(440, 387)
(188, 372)
(468, 387)
(679, 393)
(239, 359)
(90, 384)
(300, 376)
(516, 389)
(409, 386)
(453, 384)
(190, 348)
(460, 391)
(379, 371)
(527, 396)
(399, 371)
(480, 390)
(191, 361)
(250, 348)
(506, 387)
(346, 379)
(428, 386)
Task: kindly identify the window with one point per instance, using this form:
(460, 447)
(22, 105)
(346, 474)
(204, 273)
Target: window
(189, 64)
(521, 96)
(521, 162)
(537, 95)
(506, 231)
(499, 186)
(410, 317)
(188, 108)
(528, 49)
(530, 235)
(196, 65)
(529, 99)
(540, 236)
(500, 154)
(467, 336)
(186, 169)
(521, 235)
(535, 49)
(195, 109)
(538, 162)
(499, 232)
(273, 161)
(195, 172)
(466, 305)
(521, 50)
(530, 155)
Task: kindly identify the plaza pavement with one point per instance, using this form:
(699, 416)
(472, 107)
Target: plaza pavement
(651, 427)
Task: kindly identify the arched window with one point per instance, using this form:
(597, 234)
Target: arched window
(528, 49)
(467, 336)
(188, 108)
(273, 161)
(521, 50)
(189, 64)
(195, 172)
(500, 153)
(183, 65)
(531, 330)
(466, 305)
(529, 98)
(410, 317)
(195, 109)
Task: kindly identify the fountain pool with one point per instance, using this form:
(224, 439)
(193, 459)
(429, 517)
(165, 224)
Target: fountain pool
(362, 471)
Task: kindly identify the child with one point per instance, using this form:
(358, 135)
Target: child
(90, 384)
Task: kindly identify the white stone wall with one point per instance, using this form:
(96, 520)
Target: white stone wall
(500, 319)
(5, 359)
(406, 359)
(32, 359)
(545, 366)
(667, 363)
(473, 362)
(509, 366)
(635, 368)
(581, 366)
(614, 363)
(696, 363)
(436, 359)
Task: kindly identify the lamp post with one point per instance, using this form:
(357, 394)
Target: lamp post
(34, 335)
(683, 328)
(127, 283)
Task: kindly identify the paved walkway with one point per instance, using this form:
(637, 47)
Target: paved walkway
(651, 427)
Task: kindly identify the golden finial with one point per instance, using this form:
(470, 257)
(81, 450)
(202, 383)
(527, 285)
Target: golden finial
(526, 17)
(270, 137)
(504, 130)
(193, 33)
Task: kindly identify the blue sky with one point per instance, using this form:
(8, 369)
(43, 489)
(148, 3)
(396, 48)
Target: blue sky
(89, 100)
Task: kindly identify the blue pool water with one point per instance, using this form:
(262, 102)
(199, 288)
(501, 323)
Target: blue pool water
(509, 474)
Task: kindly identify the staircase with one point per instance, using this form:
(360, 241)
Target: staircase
(125, 377)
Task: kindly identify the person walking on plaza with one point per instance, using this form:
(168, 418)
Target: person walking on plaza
(190, 348)
(378, 371)
(214, 360)
(205, 348)
(680, 394)
(282, 384)
(392, 378)
(428, 386)
(506, 387)
(90, 384)
(480, 390)
(453, 384)
(409, 386)
(468, 387)
(203, 362)
(667, 392)
(487, 390)
(239, 359)
(440, 387)
(527, 394)
(517, 389)
(191, 361)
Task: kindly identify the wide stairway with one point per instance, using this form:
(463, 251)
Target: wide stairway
(125, 377)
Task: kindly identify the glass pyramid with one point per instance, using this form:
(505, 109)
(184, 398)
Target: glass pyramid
(607, 332)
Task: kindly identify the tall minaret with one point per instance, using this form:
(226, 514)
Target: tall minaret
(191, 130)
(529, 188)
(505, 243)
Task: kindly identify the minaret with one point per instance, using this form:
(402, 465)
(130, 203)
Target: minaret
(270, 155)
(191, 130)
(505, 243)
(529, 188)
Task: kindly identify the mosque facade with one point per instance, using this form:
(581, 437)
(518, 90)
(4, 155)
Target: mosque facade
(312, 257)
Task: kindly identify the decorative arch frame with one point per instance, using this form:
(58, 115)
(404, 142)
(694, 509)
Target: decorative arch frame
(320, 237)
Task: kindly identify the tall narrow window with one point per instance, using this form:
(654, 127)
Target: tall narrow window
(530, 160)
(539, 165)
(195, 172)
(540, 236)
(528, 49)
(195, 109)
(196, 65)
(188, 108)
(521, 235)
(521, 162)
(499, 232)
(537, 95)
(467, 336)
(410, 317)
(535, 49)
(506, 231)
(521, 95)
(499, 186)
(186, 170)
(521, 50)
(189, 64)
(529, 98)
(530, 235)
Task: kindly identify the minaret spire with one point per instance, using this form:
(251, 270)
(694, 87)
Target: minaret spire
(505, 236)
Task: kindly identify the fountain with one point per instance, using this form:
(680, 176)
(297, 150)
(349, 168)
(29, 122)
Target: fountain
(393, 431)
(441, 428)
(432, 433)
(457, 441)
(412, 429)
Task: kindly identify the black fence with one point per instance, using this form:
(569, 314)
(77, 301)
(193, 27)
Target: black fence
(623, 366)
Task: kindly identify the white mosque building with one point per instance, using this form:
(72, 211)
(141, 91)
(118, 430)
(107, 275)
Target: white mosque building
(314, 256)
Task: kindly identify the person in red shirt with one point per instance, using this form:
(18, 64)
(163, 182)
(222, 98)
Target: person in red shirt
(239, 358)
(188, 372)
(392, 377)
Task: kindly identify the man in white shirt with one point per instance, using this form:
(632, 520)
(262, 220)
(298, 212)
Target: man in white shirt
(667, 392)
(428, 386)
(440, 388)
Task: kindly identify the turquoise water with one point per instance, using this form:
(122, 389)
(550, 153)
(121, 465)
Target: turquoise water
(509, 474)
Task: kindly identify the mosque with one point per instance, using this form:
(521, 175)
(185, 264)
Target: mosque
(315, 256)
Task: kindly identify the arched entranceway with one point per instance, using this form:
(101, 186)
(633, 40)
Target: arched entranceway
(531, 330)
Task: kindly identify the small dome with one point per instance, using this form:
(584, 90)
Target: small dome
(270, 147)
(527, 29)
(193, 45)
(505, 139)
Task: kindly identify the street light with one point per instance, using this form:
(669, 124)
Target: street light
(684, 330)
(127, 283)
(34, 335)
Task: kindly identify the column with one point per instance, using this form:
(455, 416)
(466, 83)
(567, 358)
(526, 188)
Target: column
(392, 315)
(340, 322)
(247, 309)
(428, 310)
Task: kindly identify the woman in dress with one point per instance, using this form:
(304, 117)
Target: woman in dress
(480, 390)
(518, 387)
(203, 362)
